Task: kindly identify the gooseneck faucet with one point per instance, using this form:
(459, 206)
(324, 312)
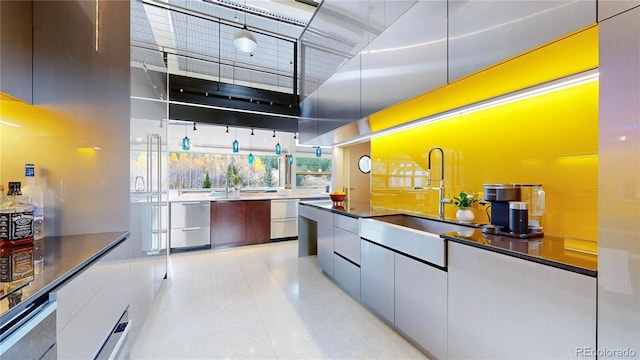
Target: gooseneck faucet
(440, 187)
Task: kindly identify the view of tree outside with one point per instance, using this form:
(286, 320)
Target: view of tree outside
(313, 172)
(187, 170)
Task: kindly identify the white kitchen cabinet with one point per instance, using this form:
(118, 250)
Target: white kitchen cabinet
(377, 279)
(284, 218)
(346, 237)
(500, 29)
(91, 303)
(347, 275)
(502, 307)
(421, 304)
(325, 241)
(346, 240)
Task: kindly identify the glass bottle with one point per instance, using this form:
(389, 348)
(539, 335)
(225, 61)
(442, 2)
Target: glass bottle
(33, 195)
(16, 218)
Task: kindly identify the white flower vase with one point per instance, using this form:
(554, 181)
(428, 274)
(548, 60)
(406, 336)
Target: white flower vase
(465, 215)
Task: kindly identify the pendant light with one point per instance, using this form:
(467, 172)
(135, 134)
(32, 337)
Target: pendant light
(318, 151)
(236, 145)
(251, 157)
(186, 142)
(244, 40)
(291, 159)
(278, 147)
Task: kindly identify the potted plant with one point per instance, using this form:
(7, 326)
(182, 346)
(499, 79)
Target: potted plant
(234, 179)
(464, 201)
(207, 181)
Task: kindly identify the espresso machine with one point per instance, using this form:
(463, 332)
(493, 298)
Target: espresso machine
(515, 210)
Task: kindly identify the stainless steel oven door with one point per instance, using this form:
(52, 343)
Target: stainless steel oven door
(33, 336)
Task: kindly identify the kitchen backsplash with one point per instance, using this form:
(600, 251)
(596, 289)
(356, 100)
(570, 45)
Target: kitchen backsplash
(550, 139)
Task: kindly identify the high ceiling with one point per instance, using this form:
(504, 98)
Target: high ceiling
(197, 37)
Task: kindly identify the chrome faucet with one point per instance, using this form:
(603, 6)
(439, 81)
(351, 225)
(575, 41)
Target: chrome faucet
(440, 188)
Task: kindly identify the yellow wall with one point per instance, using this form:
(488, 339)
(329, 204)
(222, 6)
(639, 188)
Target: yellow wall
(550, 139)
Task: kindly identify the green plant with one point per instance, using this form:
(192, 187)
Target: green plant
(234, 179)
(207, 181)
(465, 200)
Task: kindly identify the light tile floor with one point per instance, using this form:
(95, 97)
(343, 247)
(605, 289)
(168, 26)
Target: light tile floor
(260, 302)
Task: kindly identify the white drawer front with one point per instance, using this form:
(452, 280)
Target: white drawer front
(347, 275)
(281, 209)
(77, 292)
(346, 223)
(346, 244)
(283, 228)
(189, 214)
(192, 236)
(84, 335)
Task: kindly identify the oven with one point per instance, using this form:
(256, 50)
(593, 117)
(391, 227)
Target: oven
(32, 334)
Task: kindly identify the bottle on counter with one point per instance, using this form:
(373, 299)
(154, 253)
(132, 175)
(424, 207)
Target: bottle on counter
(16, 218)
(33, 195)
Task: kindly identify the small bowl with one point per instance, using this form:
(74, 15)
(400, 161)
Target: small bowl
(283, 192)
(337, 198)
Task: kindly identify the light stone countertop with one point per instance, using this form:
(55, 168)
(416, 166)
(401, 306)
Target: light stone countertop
(246, 196)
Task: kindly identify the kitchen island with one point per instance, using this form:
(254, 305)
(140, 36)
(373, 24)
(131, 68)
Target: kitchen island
(203, 220)
(490, 297)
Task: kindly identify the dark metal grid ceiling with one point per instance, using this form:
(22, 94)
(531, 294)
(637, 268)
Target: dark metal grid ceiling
(204, 48)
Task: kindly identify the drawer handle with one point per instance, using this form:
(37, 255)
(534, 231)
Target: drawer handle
(193, 203)
(191, 228)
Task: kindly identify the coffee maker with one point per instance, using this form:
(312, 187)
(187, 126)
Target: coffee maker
(510, 206)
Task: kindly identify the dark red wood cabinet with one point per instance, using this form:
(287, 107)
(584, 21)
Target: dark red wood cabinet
(243, 222)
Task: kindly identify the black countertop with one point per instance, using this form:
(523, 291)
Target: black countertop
(549, 250)
(356, 210)
(64, 256)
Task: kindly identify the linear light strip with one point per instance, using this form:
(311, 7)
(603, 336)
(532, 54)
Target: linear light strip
(2, 122)
(219, 108)
(542, 89)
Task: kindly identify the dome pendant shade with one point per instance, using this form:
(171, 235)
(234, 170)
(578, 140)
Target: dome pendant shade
(244, 40)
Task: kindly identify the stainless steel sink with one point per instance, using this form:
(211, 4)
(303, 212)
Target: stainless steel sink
(411, 235)
(422, 224)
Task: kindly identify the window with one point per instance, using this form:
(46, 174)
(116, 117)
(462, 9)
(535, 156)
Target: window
(313, 172)
(187, 170)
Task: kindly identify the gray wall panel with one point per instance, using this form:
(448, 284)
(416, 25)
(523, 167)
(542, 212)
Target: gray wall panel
(339, 31)
(485, 32)
(408, 59)
(16, 49)
(87, 85)
(609, 8)
(618, 179)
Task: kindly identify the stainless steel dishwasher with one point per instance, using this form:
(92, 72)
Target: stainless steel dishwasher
(190, 223)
